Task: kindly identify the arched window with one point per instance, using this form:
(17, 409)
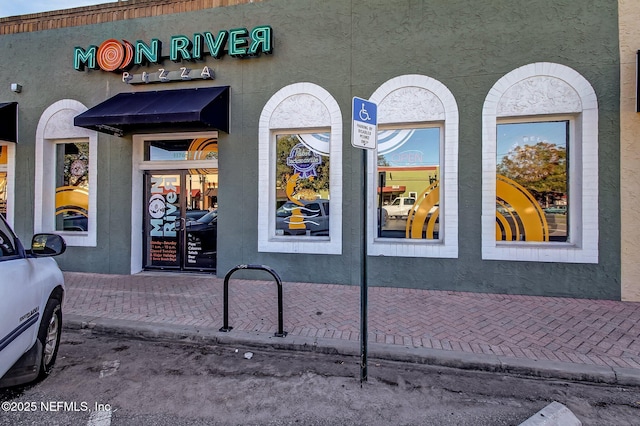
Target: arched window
(413, 176)
(540, 167)
(300, 172)
(66, 175)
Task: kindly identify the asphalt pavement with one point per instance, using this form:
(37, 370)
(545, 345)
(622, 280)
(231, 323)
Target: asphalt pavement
(574, 339)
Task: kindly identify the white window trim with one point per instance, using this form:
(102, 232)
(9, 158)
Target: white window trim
(299, 107)
(412, 109)
(56, 126)
(579, 101)
(10, 169)
(138, 167)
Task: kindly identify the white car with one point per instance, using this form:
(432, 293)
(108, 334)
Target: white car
(31, 296)
(400, 207)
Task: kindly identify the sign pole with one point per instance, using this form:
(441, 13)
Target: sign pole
(364, 135)
(363, 277)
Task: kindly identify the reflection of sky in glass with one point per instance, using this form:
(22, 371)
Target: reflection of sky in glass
(157, 154)
(521, 134)
(174, 150)
(421, 148)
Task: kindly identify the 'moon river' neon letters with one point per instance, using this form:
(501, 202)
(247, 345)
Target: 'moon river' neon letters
(118, 56)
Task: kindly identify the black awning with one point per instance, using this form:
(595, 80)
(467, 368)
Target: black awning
(9, 121)
(205, 108)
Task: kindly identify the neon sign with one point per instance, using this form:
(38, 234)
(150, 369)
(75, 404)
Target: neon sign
(304, 161)
(118, 56)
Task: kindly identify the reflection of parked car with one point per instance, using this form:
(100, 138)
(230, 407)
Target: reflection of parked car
(400, 207)
(75, 222)
(191, 214)
(31, 305)
(195, 214)
(207, 217)
(311, 218)
(556, 210)
(202, 241)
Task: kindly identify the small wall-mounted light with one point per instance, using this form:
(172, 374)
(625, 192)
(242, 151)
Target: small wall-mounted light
(15, 87)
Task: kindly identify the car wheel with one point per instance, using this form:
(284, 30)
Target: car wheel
(49, 335)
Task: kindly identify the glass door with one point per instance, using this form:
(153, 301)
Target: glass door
(164, 220)
(201, 222)
(180, 223)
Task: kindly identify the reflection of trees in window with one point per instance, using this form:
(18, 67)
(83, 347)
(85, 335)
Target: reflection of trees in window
(309, 185)
(382, 161)
(76, 160)
(541, 168)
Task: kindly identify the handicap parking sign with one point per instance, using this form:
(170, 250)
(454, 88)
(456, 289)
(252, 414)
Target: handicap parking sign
(364, 130)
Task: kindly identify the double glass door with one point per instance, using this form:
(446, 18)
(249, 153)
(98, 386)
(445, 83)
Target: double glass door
(180, 220)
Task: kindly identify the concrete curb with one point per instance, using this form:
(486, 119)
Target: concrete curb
(443, 358)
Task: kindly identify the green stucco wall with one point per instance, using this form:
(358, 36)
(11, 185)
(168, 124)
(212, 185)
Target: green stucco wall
(349, 48)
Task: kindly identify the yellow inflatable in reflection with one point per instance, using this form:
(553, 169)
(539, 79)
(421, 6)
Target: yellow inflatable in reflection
(424, 212)
(72, 199)
(203, 149)
(519, 217)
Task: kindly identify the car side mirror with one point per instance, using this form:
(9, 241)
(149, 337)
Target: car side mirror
(44, 245)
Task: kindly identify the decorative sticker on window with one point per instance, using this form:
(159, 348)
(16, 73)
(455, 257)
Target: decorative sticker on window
(163, 210)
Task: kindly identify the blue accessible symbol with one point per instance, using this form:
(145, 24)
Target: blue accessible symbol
(364, 131)
(364, 115)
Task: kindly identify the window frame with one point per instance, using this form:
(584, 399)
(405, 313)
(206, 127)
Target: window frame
(576, 101)
(54, 127)
(418, 101)
(294, 109)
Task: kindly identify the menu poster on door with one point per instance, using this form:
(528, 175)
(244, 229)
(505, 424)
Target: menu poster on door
(163, 213)
(194, 249)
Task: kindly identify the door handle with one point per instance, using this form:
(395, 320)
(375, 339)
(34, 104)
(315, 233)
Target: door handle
(182, 224)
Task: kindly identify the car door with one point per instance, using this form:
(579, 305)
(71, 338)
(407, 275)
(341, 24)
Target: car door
(19, 300)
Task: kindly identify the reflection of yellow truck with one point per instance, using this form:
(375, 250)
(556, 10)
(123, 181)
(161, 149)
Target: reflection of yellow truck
(400, 207)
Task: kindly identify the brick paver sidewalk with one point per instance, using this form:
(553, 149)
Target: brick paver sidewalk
(593, 332)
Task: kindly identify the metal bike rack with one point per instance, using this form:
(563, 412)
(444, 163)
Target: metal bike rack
(226, 328)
